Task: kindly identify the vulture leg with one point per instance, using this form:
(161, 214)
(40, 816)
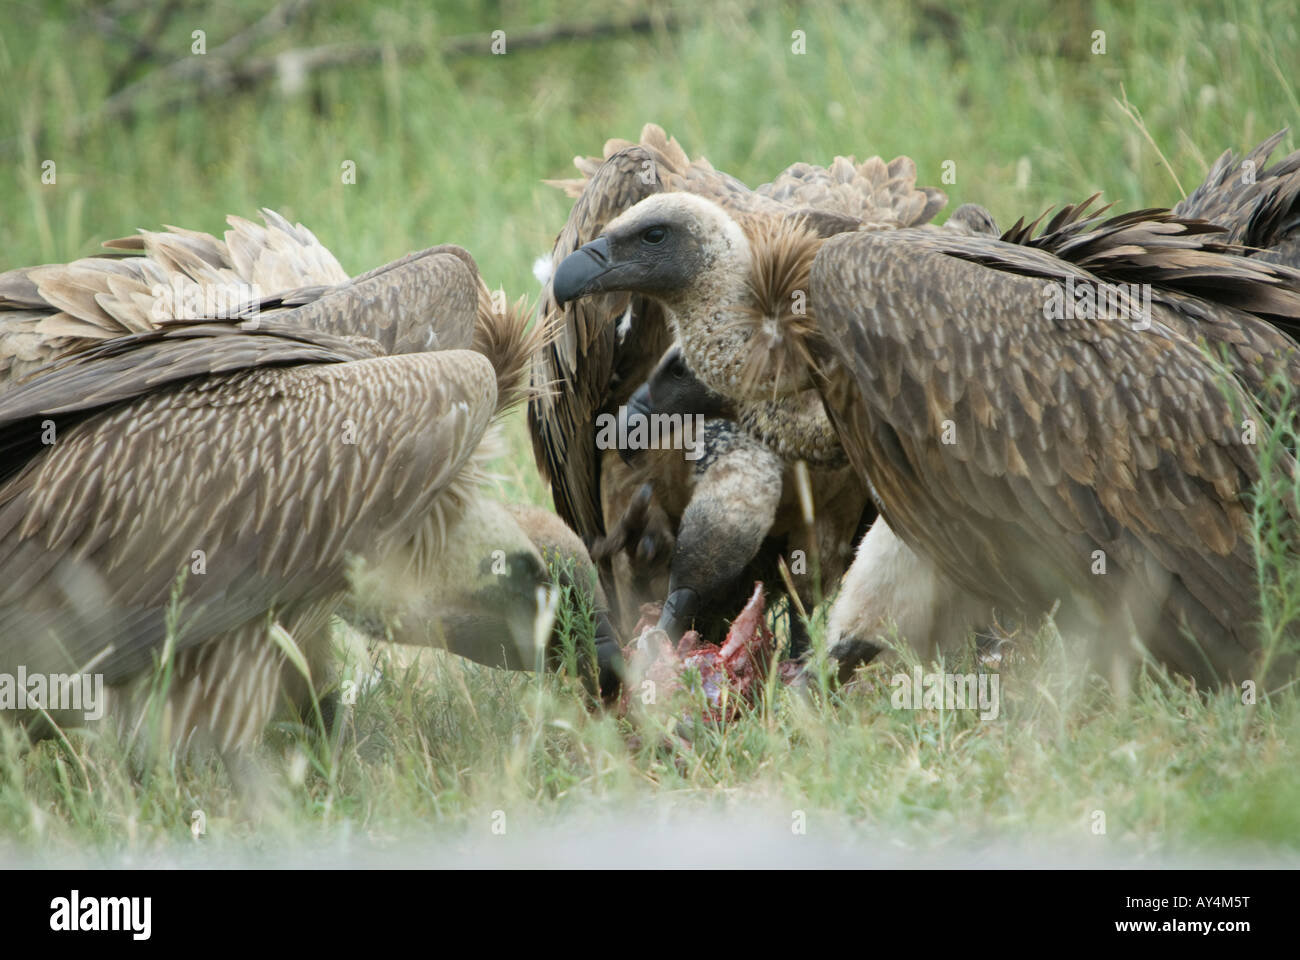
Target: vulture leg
(889, 586)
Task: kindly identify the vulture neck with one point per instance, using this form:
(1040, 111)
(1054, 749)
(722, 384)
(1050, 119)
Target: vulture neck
(735, 333)
(707, 316)
(796, 428)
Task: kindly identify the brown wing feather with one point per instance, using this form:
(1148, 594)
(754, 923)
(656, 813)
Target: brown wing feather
(873, 192)
(277, 474)
(577, 371)
(279, 270)
(1236, 303)
(425, 301)
(1068, 436)
(1259, 206)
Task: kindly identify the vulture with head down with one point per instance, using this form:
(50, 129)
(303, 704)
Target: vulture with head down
(1037, 433)
(213, 484)
(718, 522)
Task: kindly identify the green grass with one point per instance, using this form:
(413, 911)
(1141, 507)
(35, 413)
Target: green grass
(434, 748)
(453, 151)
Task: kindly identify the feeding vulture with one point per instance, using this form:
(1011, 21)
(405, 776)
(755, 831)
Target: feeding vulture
(1100, 458)
(737, 507)
(740, 503)
(209, 484)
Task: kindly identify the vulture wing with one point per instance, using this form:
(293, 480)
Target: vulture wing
(1010, 445)
(48, 309)
(277, 474)
(875, 193)
(181, 275)
(115, 371)
(593, 359)
(425, 301)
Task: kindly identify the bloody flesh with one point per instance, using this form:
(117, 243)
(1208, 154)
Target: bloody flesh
(729, 674)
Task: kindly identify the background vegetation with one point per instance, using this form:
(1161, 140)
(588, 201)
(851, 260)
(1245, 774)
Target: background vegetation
(450, 143)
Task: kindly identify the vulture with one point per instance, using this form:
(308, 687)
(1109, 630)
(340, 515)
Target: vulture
(206, 442)
(738, 509)
(697, 532)
(1056, 419)
(1258, 207)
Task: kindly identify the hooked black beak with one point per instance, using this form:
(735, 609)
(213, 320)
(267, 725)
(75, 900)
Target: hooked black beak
(579, 272)
(679, 611)
(638, 405)
(609, 659)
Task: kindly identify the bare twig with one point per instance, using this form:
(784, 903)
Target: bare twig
(309, 59)
(226, 68)
(190, 67)
(142, 51)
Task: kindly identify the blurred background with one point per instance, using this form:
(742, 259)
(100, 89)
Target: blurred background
(450, 141)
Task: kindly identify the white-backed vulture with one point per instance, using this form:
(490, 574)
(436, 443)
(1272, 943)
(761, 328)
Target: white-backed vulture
(1032, 455)
(1259, 208)
(608, 345)
(205, 484)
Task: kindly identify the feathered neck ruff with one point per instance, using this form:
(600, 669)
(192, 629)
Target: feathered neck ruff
(778, 314)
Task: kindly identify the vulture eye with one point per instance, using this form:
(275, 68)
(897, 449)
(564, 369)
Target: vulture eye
(655, 235)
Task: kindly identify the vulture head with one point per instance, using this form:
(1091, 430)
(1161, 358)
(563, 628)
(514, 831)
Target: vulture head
(673, 247)
(735, 290)
(674, 388)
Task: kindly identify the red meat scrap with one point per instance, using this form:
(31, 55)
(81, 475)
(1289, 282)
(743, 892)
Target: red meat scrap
(729, 675)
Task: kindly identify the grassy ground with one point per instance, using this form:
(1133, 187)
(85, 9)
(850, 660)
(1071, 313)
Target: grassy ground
(452, 150)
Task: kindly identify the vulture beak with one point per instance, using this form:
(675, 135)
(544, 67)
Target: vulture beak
(679, 611)
(637, 406)
(581, 271)
(609, 660)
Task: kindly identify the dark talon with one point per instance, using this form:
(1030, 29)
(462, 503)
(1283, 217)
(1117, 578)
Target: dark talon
(850, 652)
